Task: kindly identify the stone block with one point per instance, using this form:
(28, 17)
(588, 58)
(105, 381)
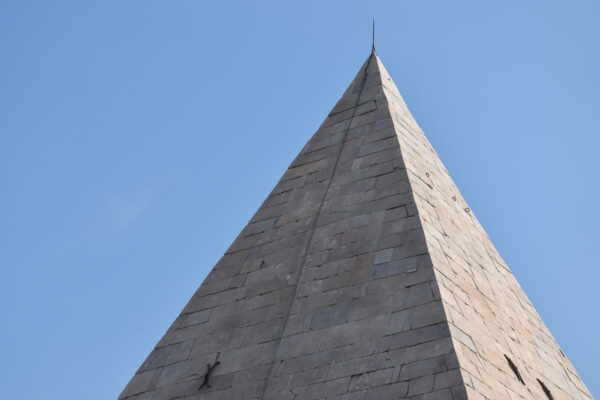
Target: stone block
(394, 267)
(391, 391)
(428, 314)
(420, 385)
(422, 368)
(138, 384)
(372, 379)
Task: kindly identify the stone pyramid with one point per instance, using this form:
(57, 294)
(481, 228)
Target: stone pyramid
(363, 276)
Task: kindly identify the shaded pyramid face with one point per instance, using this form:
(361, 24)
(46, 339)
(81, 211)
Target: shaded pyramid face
(364, 275)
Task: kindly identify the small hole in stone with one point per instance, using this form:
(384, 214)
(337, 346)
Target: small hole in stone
(514, 369)
(467, 210)
(546, 390)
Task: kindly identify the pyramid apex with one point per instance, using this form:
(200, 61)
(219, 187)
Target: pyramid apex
(362, 275)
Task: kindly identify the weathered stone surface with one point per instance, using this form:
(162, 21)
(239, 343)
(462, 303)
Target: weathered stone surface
(361, 277)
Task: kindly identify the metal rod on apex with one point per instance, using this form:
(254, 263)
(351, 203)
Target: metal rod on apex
(373, 33)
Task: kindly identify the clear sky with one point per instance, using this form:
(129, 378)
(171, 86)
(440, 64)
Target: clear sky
(137, 138)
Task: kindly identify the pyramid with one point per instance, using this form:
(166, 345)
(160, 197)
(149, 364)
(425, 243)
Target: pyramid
(364, 275)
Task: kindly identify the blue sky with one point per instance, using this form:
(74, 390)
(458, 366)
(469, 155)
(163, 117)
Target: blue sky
(137, 138)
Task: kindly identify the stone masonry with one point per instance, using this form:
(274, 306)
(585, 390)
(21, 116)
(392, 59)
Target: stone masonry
(364, 275)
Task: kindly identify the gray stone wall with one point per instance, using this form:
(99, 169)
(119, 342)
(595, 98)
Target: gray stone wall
(360, 277)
